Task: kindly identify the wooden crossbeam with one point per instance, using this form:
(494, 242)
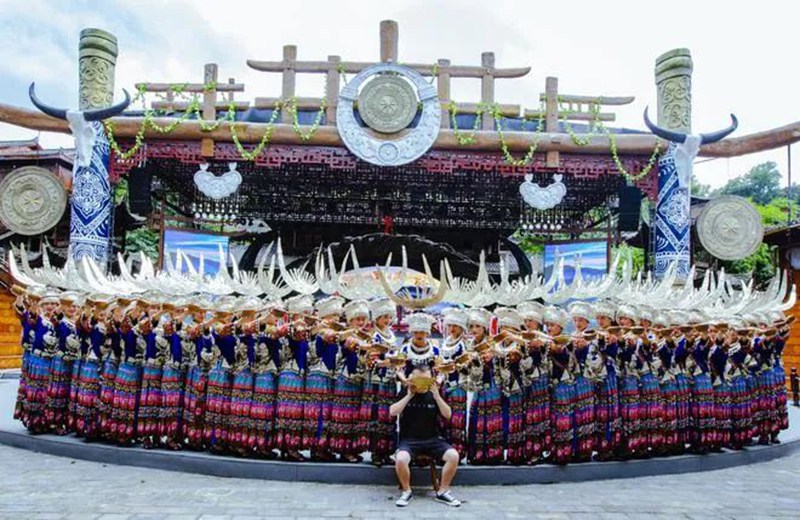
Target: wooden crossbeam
(354, 67)
(195, 88)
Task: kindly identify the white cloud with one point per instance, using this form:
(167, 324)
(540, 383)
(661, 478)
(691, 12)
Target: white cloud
(741, 53)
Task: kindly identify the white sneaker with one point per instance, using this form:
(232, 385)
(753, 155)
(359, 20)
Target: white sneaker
(404, 499)
(447, 498)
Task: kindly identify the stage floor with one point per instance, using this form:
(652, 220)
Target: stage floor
(12, 433)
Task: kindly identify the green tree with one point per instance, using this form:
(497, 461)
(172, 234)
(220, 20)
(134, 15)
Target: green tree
(699, 189)
(761, 184)
(142, 239)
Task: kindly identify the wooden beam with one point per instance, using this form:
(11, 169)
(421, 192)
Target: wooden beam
(573, 116)
(332, 89)
(505, 110)
(602, 100)
(632, 144)
(753, 143)
(487, 89)
(426, 69)
(288, 80)
(183, 105)
(443, 89)
(190, 87)
(210, 77)
(390, 35)
(551, 115)
(303, 103)
(127, 127)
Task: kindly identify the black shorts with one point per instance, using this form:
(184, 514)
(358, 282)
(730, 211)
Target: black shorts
(433, 447)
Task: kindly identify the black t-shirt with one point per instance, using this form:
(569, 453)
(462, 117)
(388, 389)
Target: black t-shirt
(419, 420)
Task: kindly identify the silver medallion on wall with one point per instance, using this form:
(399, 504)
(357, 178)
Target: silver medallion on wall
(730, 228)
(32, 200)
(387, 103)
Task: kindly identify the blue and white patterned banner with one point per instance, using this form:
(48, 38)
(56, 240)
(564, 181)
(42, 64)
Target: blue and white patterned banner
(90, 218)
(672, 219)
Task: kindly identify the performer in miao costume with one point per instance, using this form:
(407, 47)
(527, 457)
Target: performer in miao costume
(322, 356)
(683, 377)
(454, 392)
(217, 427)
(23, 307)
(738, 372)
(345, 424)
(562, 374)
(418, 349)
(179, 348)
(265, 383)
(112, 356)
(718, 359)
(291, 381)
(485, 432)
(512, 366)
(150, 397)
(650, 387)
(242, 439)
(701, 408)
(199, 363)
(43, 347)
(777, 321)
(380, 385)
(87, 423)
(589, 367)
(663, 366)
(128, 378)
(608, 431)
(69, 345)
(632, 412)
(537, 401)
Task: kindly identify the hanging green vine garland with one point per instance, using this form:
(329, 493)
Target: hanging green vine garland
(528, 157)
(292, 108)
(462, 138)
(265, 139)
(194, 110)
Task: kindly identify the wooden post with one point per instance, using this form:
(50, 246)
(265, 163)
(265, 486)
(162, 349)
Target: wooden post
(332, 89)
(289, 77)
(231, 81)
(487, 89)
(443, 86)
(210, 76)
(551, 116)
(390, 35)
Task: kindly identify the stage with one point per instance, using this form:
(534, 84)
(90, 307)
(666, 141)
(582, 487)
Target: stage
(12, 433)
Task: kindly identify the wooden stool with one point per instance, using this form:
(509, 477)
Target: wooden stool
(424, 460)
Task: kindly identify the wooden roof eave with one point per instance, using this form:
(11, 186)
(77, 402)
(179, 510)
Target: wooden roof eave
(627, 144)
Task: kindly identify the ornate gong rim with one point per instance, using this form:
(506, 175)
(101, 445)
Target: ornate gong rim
(389, 152)
(705, 233)
(46, 176)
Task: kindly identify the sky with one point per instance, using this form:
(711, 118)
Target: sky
(743, 52)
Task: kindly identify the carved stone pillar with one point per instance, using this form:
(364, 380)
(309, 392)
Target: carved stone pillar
(673, 73)
(91, 209)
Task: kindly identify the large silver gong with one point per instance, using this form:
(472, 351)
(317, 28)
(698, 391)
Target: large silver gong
(32, 200)
(389, 107)
(730, 228)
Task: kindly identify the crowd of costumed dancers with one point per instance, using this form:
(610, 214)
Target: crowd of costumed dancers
(305, 379)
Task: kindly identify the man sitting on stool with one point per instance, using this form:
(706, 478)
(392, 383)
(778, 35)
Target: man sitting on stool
(419, 435)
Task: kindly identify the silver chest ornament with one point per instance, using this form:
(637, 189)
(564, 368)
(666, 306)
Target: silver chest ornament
(387, 104)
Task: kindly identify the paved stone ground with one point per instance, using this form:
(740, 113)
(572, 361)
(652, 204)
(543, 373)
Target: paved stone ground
(42, 486)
